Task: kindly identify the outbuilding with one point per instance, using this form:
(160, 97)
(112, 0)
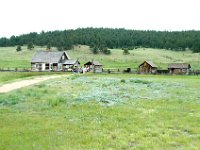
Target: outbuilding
(147, 67)
(71, 64)
(179, 68)
(94, 66)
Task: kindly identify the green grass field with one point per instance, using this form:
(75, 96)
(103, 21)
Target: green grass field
(103, 112)
(11, 58)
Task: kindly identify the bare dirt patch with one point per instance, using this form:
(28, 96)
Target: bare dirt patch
(20, 84)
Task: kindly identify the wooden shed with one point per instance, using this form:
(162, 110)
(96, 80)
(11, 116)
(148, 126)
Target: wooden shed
(147, 67)
(70, 64)
(179, 68)
(94, 66)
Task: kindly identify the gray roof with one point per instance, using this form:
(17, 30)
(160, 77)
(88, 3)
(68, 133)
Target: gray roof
(179, 65)
(48, 56)
(150, 63)
(71, 62)
(95, 63)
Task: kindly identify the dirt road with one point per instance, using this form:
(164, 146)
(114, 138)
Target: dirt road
(20, 84)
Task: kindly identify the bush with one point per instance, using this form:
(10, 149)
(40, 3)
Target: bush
(60, 48)
(30, 46)
(126, 52)
(107, 52)
(48, 46)
(101, 49)
(123, 81)
(140, 81)
(95, 50)
(18, 48)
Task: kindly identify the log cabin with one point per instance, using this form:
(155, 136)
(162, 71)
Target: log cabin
(179, 68)
(147, 67)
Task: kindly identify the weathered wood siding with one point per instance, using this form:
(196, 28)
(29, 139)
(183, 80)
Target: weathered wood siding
(146, 68)
(179, 71)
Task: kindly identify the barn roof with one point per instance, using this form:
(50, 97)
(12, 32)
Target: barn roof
(71, 62)
(179, 66)
(48, 56)
(150, 63)
(95, 63)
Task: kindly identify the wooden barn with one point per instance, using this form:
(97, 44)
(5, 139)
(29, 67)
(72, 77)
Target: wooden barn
(179, 68)
(48, 60)
(94, 66)
(147, 67)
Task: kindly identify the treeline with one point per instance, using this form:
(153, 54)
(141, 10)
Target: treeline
(101, 38)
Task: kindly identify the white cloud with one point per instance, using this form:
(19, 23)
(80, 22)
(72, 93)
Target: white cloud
(24, 16)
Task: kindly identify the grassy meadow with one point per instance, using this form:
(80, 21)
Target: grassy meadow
(103, 112)
(11, 58)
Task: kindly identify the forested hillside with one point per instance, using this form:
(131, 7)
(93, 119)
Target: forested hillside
(109, 38)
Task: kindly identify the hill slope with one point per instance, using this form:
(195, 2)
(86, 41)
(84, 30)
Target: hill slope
(11, 58)
(110, 38)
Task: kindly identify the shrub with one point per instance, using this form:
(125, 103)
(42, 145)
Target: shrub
(126, 52)
(107, 52)
(140, 81)
(95, 50)
(18, 48)
(30, 46)
(123, 81)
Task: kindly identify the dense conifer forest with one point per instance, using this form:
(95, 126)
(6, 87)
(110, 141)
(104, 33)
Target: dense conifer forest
(109, 38)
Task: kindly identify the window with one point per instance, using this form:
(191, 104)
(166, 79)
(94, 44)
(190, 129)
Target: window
(184, 70)
(63, 57)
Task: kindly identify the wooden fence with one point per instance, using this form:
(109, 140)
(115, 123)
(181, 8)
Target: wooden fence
(104, 70)
(15, 69)
(195, 72)
(120, 70)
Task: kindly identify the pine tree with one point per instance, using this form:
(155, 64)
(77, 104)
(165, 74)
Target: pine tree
(95, 50)
(48, 46)
(30, 46)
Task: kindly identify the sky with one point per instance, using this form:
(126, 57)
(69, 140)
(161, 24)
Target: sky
(25, 16)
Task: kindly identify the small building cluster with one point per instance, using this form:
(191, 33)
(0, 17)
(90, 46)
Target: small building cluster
(60, 61)
(148, 67)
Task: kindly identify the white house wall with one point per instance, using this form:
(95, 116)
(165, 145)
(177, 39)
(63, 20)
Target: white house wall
(60, 66)
(43, 67)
